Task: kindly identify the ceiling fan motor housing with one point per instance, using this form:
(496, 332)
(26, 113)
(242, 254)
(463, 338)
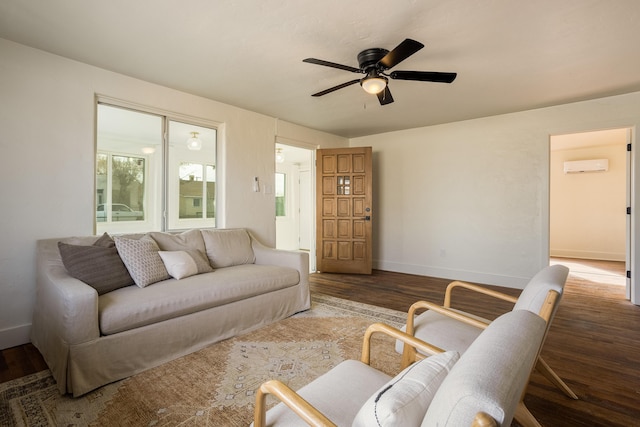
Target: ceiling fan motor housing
(368, 58)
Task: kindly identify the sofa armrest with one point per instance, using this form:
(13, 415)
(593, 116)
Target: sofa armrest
(65, 307)
(297, 260)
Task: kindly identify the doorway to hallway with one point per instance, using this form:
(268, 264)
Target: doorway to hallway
(588, 217)
(295, 196)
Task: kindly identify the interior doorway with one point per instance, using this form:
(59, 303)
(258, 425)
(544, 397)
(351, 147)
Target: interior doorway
(590, 188)
(295, 196)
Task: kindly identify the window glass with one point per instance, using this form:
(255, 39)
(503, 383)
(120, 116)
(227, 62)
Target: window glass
(192, 176)
(281, 194)
(136, 190)
(128, 166)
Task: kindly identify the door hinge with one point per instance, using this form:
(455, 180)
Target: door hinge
(629, 147)
(628, 274)
(629, 210)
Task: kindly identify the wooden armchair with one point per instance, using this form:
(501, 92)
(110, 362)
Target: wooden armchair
(482, 388)
(454, 329)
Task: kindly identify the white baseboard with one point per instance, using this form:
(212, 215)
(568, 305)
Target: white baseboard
(444, 273)
(574, 253)
(15, 336)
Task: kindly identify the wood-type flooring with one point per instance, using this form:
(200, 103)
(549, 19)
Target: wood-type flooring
(593, 343)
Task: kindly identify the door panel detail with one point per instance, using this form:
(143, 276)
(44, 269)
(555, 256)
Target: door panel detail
(344, 203)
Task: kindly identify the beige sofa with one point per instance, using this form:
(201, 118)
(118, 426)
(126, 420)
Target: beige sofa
(93, 335)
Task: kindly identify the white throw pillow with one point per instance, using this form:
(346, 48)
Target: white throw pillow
(181, 264)
(404, 400)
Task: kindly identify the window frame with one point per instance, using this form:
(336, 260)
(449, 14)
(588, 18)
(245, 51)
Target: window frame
(159, 219)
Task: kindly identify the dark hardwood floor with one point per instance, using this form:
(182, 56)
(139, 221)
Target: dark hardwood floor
(593, 343)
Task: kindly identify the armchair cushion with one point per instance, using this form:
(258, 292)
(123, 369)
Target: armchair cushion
(534, 294)
(338, 394)
(404, 400)
(491, 375)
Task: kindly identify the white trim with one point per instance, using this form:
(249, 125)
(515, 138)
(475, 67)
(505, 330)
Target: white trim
(451, 274)
(15, 336)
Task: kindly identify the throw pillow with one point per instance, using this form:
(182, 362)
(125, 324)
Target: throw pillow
(181, 264)
(188, 240)
(404, 400)
(141, 258)
(99, 266)
(105, 241)
(226, 248)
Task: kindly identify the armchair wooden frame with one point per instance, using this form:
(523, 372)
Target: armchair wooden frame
(315, 418)
(523, 415)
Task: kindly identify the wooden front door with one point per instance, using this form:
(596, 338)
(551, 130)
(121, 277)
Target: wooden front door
(343, 210)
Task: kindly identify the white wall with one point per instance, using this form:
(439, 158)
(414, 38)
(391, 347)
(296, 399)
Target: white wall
(588, 215)
(470, 200)
(47, 161)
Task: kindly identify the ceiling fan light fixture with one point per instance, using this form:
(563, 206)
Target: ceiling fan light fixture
(194, 143)
(374, 83)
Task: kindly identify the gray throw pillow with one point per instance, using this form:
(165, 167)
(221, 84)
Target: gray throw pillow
(141, 258)
(185, 241)
(228, 247)
(99, 265)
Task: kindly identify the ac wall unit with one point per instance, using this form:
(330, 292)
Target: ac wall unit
(579, 166)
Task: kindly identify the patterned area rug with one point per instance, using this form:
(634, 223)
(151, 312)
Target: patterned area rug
(216, 385)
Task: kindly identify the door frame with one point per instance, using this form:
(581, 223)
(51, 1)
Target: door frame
(632, 293)
(312, 172)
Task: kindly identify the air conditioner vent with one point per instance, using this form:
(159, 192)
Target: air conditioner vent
(580, 166)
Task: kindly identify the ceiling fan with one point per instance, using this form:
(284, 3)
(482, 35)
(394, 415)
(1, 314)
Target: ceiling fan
(375, 62)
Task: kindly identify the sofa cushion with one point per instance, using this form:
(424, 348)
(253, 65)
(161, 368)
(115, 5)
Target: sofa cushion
(404, 400)
(188, 240)
(226, 248)
(180, 264)
(98, 265)
(132, 307)
(141, 258)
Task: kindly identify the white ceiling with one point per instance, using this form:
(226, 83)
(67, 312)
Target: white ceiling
(510, 55)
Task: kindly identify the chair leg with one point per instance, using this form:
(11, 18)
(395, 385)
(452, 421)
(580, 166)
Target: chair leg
(548, 373)
(524, 417)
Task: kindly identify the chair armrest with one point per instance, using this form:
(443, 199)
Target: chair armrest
(301, 407)
(476, 288)
(397, 334)
(446, 311)
(482, 419)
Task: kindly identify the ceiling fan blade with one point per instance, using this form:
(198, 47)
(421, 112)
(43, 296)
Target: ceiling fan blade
(424, 76)
(384, 96)
(326, 91)
(332, 65)
(401, 52)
